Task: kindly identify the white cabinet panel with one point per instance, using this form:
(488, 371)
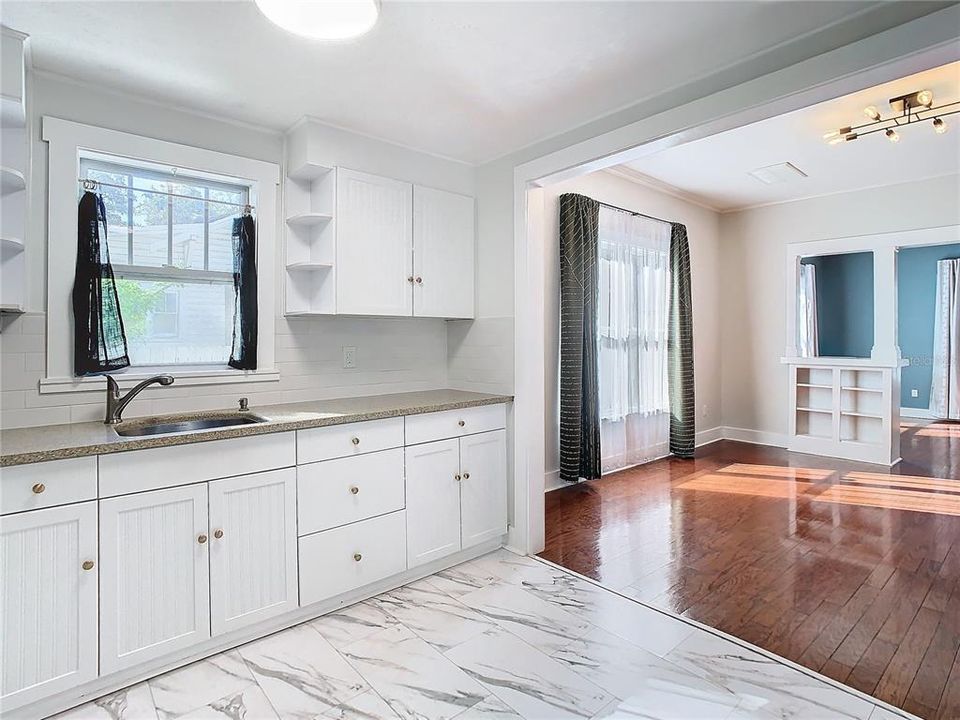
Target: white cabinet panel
(433, 501)
(326, 443)
(454, 423)
(48, 602)
(161, 467)
(443, 266)
(483, 488)
(345, 558)
(374, 245)
(337, 492)
(154, 590)
(39, 485)
(253, 548)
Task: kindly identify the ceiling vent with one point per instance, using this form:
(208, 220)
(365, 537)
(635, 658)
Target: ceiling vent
(776, 174)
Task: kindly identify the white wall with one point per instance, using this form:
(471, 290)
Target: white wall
(703, 230)
(753, 266)
(393, 355)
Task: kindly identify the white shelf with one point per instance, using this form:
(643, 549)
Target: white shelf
(309, 266)
(11, 246)
(822, 411)
(11, 309)
(308, 219)
(11, 180)
(815, 385)
(863, 389)
(308, 171)
(850, 413)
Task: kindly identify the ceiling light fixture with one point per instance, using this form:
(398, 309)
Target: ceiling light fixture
(908, 109)
(322, 19)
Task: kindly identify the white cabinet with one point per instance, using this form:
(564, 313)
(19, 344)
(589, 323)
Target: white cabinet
(154, 590)
(483, 487)
(443, 252)
(433, 501)
(253, 548)
(374, 254)
(48, 602)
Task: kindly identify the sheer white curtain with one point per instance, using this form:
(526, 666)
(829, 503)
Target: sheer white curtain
(632, 324)
(807, 336)
(945, 390)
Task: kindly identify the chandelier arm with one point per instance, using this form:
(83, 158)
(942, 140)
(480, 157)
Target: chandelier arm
(882, 129)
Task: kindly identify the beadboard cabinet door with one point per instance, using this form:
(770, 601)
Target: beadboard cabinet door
(433, 500)
(253, 548)
(483, 488)
(154, 575)
(374, 245)
(443, 254)
(48, 602)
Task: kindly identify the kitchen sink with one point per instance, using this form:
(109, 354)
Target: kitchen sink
(170, 426)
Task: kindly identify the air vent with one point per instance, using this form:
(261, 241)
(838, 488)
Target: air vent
(776, 174)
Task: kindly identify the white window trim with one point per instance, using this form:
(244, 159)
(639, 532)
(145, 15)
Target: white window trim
(66, 141)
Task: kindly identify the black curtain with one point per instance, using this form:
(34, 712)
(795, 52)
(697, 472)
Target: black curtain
(243, 355)
(99, 342)
(579, 372)
(683, 405)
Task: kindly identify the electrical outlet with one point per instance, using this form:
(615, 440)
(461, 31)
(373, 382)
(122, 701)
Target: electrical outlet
(703, 411)
(349, 357)
(915, 393)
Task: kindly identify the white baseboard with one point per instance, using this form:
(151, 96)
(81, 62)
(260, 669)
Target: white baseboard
(917, 413)
(705, 437)
(755, 437)
(552, 481)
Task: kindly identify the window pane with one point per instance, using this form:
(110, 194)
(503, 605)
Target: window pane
(220, 228)
(115, 203)
(149, 229)
(188, 233)
(171, 323)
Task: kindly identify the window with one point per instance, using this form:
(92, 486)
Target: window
(170, 244)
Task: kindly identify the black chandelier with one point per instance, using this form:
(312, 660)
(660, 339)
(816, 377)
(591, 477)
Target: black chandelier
(915, 107)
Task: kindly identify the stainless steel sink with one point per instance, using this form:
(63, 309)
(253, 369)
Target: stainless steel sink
(169, 426)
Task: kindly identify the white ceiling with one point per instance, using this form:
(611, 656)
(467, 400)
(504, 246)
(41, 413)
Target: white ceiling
(714, 170)
(469, 80)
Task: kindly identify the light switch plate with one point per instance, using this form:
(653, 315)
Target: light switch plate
(349, 357)
(915, 393)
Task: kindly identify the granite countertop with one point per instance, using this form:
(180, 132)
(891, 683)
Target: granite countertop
(55, 442)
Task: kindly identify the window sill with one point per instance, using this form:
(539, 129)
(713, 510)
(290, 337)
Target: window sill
(184, 377)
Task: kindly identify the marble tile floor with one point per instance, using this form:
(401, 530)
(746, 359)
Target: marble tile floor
(501, 637)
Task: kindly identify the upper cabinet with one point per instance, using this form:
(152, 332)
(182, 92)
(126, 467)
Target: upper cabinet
(443, 240)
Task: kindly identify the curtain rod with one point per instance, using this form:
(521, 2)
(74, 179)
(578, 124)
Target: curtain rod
(634, 212)
(89, 184)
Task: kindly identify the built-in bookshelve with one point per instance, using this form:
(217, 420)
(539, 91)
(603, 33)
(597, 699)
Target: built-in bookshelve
(14, 136)
(11, 180)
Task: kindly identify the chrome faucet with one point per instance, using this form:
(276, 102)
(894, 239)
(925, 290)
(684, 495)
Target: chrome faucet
(116, 404)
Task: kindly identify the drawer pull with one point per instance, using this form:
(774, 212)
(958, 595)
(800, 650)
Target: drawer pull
(466, 476)
(201, 539)
(354, 490)
(218, 533)
(457, 478)
(355, 441)
(87, 565)
(358, 557)
(461, 423)
(39, 488)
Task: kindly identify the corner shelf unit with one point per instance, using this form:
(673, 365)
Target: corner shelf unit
(14, 136)
(310, 194)
(844, 407)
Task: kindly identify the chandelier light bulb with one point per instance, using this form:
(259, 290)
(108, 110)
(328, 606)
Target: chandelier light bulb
(322, 19)
(892, 135)
(939, 126)
(925, 97)
(872, 113)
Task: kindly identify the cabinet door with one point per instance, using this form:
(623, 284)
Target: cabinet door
(433, 501)
(374, 245)
(48, 602)
(154, 590)
(483, 489)
(443, 240)
(253, 548)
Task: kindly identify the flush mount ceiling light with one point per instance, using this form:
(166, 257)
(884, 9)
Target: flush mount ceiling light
(322, 19)
(915, 107)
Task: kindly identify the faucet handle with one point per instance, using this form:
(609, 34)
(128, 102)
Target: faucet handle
(244, 404)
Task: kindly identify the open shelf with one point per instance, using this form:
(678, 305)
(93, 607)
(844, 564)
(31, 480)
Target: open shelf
(815, 376)
(308, 171)
(862, 389)
(11, 180)
(11, 309)
(11, 246)
(309, 265)
(844, 413)
(823, 411)
(812, 385)
(308, 219)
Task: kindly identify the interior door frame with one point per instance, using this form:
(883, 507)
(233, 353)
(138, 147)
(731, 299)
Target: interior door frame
(924, 43)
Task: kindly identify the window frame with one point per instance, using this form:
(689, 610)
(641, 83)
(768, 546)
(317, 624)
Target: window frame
(68, 142)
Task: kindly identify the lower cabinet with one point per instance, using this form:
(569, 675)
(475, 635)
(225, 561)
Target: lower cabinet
(253, 548)
(456, 494)
(154, 575)
(48, 602)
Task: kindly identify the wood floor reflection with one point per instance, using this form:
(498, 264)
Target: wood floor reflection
(849, 569)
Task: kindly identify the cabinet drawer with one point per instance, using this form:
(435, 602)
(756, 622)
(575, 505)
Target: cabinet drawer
(329, 564)
(39, 485)
(454, 423)
(336, 441)
(337, 492)
(155, 468)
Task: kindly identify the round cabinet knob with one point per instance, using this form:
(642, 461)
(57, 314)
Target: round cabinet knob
(201, 539)
(410, 279)
(355, 441)
(461, 423)
(87, 565)
(354, 490)
(358, 557)
(39, 488)
(419, 280)
(218, 533)
(457, 478)
(466, 476)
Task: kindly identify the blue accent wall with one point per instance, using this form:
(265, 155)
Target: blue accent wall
(844, 303)
(916, 299)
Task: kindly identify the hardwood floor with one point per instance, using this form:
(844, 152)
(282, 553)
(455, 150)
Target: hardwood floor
(850, 569)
